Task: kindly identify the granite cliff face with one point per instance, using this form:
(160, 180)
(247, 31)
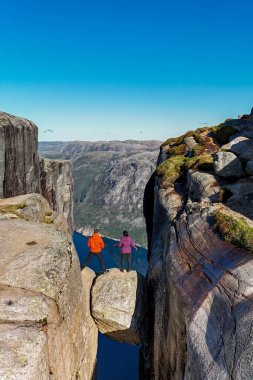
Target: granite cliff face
(23, 172)
(56, 185)
(19, 161)
(200, 247)
(109, 182)
(118, 306)
(46, 329)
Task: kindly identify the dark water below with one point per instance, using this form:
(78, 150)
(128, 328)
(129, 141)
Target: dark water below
(116, 361)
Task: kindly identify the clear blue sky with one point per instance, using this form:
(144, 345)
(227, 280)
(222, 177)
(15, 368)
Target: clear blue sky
(115, 69)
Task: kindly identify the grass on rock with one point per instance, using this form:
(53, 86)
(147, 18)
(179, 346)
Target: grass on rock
(234, 230)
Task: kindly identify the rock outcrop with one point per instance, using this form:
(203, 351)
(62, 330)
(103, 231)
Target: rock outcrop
(57, 186)
(22, 173)
(201, 256)
(19, 161)
(46, 330)
(119, 305)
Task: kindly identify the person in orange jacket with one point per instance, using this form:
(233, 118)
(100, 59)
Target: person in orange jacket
(96, 244)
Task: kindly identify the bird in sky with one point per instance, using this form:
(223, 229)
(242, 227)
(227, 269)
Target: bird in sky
(48, 131)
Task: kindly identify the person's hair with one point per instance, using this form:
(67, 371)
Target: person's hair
(96, 230)
(125, 233)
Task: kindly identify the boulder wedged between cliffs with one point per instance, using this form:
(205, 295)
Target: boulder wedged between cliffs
(118, 305)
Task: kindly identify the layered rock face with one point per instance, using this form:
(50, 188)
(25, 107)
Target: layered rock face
(118, 305)
(22, 173)
(201, 262)
(46, 330)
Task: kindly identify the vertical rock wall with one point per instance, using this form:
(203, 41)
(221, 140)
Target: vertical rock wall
(57, 186)
(2, 161)
(201, 256)
(22, 172)
(19, 169)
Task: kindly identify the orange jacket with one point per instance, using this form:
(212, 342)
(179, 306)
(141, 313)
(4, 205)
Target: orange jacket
(95, 243)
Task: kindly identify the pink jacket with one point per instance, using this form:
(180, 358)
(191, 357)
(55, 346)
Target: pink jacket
(125, 244)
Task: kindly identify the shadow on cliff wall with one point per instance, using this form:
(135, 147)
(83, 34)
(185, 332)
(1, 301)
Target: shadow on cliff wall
(148, 209)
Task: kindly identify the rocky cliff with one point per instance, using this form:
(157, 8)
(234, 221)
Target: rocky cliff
(46, 330)
(109, 182)
(56, 186)
(19, 161)
(23, 172)
(201, 255)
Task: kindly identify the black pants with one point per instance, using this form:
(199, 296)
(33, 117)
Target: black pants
(100, 259)
(125, 256)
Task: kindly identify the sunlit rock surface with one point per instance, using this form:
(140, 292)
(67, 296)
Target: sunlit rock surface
(119, 304)
(46, 330)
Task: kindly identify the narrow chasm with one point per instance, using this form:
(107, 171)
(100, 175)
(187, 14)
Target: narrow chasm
(118, 306)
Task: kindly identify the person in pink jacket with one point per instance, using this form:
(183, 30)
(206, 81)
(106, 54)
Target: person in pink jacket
(125, 244)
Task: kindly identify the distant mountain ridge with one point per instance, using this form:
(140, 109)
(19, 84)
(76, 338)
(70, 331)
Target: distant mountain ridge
(73, 148)
(109, 182)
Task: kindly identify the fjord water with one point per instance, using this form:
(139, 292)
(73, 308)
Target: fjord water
(116, 361)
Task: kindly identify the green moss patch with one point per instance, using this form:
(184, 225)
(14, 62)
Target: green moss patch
(174, 167)
(197, 149)
(234, 230)
(180, 158)
(180, 140)
(48, 219)
(170, 170)
(177, 150)
(204, 162)
(222, 133)
(12, 208)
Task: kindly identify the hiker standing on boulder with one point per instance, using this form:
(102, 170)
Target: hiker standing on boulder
(96, 244)
(125, 245)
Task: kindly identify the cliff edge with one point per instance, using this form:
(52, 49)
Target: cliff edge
(46, 329)
(201, 250)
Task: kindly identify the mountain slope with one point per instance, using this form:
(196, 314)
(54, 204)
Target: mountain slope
(109, 182)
